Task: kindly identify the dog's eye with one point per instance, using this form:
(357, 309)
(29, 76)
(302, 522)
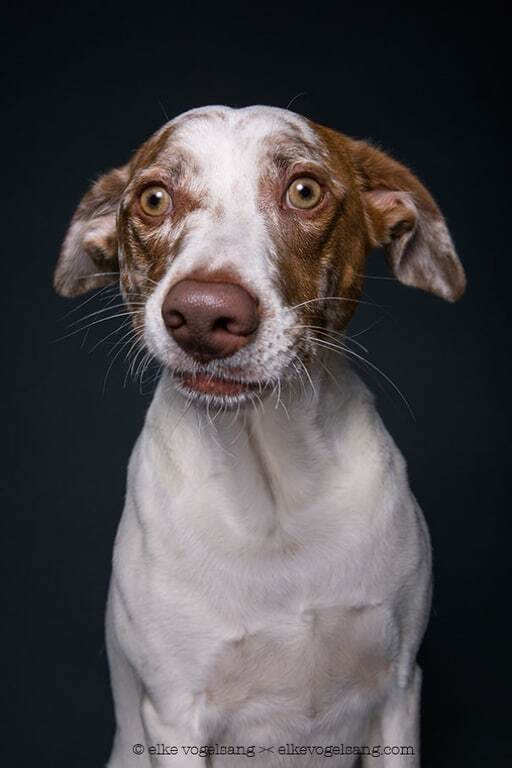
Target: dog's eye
(155, 201)
(304, 193)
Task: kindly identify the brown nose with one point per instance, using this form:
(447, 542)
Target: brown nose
(208, 319)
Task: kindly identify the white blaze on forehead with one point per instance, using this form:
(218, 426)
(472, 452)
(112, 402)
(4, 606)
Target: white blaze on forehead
(250, 123)
(226, 152)
(230, 146)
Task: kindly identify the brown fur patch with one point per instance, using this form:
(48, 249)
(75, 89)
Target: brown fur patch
(90, 246)
(321, 251)
(404, 218)
(151, 243)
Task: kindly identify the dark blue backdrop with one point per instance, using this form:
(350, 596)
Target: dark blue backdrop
(85, 86)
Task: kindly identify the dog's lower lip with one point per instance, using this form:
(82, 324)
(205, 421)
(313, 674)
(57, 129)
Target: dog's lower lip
(207, 384)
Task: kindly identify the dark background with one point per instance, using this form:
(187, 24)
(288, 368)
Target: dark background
(83, 87)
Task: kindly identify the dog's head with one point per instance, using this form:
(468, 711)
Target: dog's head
(237, 233)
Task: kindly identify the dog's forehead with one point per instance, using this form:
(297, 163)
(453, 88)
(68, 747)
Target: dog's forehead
(218, 133)
(248, 122)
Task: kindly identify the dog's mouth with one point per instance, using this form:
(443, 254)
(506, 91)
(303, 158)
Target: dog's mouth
(222, 388)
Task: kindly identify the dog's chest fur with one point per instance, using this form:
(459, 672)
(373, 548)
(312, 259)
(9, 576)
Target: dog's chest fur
(259, 594)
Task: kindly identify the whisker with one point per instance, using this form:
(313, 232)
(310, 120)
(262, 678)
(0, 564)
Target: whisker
(90, 325)
(299, 376)
(149, 360)
(285, 409)
(378, 277)
(82, 343)
(340, 349)
(278, 392)
(136, 349)
(119, 351)
(368, 328)
(102, 311)
(116, 330)
(142, 367)
(131, 333)
(294, 98)
(186, 408)
(151, 381)
(329, 373)
(98, 274)
(334, 335)
(95, 295)
(335, 298)
(308, 376)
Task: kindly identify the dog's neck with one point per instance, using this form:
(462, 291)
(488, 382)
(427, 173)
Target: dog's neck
(292, 414)
(280, 448)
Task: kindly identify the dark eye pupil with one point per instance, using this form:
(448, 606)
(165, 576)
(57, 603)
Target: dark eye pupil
(304, 191)
(155, 199)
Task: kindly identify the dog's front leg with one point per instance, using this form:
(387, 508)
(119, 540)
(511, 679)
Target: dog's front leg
(128, 748)
(395, 732)
(173, 738)
(158, 730)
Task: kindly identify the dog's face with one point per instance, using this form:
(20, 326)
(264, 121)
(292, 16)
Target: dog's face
(239, 235)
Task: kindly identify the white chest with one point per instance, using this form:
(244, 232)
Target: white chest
(241, 596)
(283, 634)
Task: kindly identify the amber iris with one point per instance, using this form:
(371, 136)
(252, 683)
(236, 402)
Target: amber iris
(155, 201)
(304, 193)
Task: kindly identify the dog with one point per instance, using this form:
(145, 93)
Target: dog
(271, 574)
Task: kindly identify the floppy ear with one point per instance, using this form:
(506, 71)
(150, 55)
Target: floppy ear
(405, 220)
(88, 258)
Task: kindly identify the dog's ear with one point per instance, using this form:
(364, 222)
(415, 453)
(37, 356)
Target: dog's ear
(88, 258)
(404, 219)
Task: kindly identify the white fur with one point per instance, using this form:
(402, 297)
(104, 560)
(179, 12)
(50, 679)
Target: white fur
(228, 149)
(271, 574)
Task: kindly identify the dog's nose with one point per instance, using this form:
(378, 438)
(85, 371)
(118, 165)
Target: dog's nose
(208, 319)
